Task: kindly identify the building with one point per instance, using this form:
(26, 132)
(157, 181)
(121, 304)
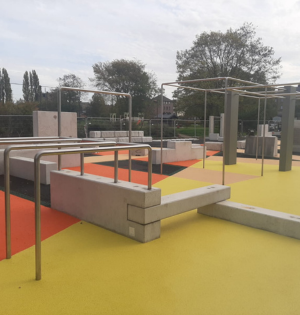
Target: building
(168, 106)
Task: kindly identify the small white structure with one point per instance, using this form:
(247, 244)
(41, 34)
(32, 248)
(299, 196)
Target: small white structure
(120, 136)
(271, 146)
(177, 151)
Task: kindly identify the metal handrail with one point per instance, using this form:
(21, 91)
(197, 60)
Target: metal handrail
(37, 188)
(7, 176)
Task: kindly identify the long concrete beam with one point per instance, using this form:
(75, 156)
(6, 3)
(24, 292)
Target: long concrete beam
(178, 203)
(269, 220)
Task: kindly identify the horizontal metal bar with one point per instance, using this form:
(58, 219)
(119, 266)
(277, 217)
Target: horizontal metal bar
(37, 195)
(39, 141)
(7, 177)
(94, 91)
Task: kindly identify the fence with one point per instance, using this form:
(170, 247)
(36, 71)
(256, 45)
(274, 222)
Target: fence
(22, 126)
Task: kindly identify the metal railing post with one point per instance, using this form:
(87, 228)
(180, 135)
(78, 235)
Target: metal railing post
(116, 167)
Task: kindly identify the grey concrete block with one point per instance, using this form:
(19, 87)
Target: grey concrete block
(147, 139)
(108, 134)
(259, 218)
(121, 133)
(214, 146)
(136, 139)
(95, 134)
(24, 168)
(178, 203)
(123, 139)
(100, 201)
(270, 146)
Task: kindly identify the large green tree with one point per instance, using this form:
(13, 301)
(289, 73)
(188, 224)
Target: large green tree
(97, 107)
(31, 87)
(126, 76)
(235, 53)
(70, 100)
(5, 87)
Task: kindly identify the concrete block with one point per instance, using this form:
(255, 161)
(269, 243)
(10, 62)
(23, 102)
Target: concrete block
(214, 146)
(140, 133)
(24, 168)
(178, 203)
(70, 160)
(147, 139)
(139, 152)
(259, 218)
(45, 124)
(95, 134)
(136, 139)
(123, 139)
(111, 139)
(271, 144)
(100, 201)
(213, 136)
(261, 131)
(108, 134)
(121, 134)
(241, 144)
(135, 133)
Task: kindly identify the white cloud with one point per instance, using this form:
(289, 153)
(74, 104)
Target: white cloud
(59, 37)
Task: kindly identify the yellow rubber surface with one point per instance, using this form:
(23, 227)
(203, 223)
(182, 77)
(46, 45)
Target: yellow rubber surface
(200, 265)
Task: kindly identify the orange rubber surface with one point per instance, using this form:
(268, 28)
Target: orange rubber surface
(22, 224)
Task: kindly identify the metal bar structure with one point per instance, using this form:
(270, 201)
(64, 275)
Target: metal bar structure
(258, 113)
(7, 176)
(204, 130)
(242, 90)
(66, 88)
(224, 137)
(37, 189)
(264, 135)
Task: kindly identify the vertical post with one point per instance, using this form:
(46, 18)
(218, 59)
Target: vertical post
(204, 131)
(59, 125)
(120, 123)
(264, 134)
(37, 197)
(149, 168)
(149, 127)
(130, 129)
(7, 204)
(174, 126)
(211, 124)
(116, 166)
(225, 136)
(287, 130)
(195, 133)
(258, 113)
(81, 164)
(231, 128)
(161, 129)
(222, 125)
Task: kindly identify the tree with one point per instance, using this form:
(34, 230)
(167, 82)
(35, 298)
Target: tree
(97, 107)
(31, 87)
(26, 88)
(70, 100)
(235, 53)
(5, 87)
(126, 76)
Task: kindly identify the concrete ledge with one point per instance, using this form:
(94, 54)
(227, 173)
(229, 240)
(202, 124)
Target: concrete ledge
(24, 168)
(214, 146)
(178, 203)
(259, 218)
(100, 201)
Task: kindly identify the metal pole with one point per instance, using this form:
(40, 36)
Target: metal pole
(204, 131)
(174, 128)
(161, 130)
(195, 134)
(116, 166)
(258, 112)
(224, 138)
(130, 129)
(149, 168)
(7, 206)
(81, 164)
(149, 127)
(37, 196)
(264, 134)
(59, 125)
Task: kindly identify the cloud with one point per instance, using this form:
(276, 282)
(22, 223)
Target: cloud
(60, 37)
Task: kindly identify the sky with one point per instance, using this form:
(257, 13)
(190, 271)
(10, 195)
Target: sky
(69, 36)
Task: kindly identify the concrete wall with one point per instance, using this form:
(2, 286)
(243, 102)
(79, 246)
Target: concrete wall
(296, 142)
(46, 124)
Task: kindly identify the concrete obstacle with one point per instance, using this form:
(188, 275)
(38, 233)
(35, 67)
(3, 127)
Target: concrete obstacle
(255, 217)
(126, 208)
(177, 151)
(271, 144)
(120, 136)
